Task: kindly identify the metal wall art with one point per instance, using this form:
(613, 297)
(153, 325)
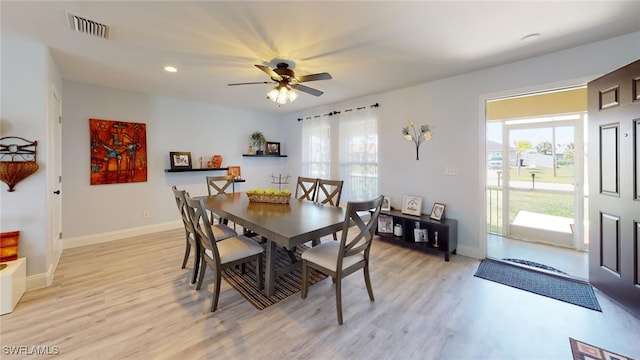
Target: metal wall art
(17, 160)
(411, 134)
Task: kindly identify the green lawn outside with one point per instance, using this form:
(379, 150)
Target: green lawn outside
(564, 174)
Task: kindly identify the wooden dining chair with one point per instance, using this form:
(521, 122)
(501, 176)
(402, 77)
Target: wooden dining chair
(189, 233)
(351, 253)
(218, 185)
(219, 230)
(329, 191)
(306, 188)
(220, 254)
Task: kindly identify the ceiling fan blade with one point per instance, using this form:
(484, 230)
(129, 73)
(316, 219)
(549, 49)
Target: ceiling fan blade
(251, 83)
(308, 90)
(314, 77)
(270, 72)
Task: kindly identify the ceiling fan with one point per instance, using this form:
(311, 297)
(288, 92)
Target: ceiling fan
(286, 80)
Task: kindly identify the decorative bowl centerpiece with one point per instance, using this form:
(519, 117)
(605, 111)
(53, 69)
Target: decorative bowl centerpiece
(269, 196)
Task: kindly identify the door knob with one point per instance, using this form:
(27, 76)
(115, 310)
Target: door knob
(57, 192)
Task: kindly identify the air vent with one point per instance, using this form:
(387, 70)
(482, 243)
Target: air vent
(88, 26)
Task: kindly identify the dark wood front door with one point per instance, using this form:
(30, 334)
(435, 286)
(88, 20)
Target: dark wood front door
(614, 185)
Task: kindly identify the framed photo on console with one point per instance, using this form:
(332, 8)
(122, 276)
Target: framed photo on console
(180, 160)
(385, 224)
(437, 213)
(412, 205)
(386, 204)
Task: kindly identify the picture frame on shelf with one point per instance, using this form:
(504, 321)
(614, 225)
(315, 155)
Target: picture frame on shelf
(272, 148)
(420, 235)
(437, 212)
(180, 160)
(234, 172)
(412, 205)
(385, 224)
(386, 204)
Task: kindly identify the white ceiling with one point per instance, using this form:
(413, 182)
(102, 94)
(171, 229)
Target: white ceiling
(368, 47)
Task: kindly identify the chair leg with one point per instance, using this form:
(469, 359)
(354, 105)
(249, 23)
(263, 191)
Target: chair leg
(305, 275)
(259, 271)
(187, 251)
(216, 291)
(339, 298)
(367, 281)
(196, 265)
(335, 236)
(203, 268)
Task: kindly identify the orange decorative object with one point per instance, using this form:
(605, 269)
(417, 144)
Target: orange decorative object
(217, 161)
(9, 245)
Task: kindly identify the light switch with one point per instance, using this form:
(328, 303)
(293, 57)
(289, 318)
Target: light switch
(451, 171)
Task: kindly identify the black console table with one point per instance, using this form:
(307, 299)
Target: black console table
(440, 235)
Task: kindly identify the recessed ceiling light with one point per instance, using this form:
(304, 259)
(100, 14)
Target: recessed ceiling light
(530, 37)
(170, 69)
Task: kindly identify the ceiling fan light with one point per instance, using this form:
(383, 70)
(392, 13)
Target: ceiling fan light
(273, 94)
(282, 97)
(282, 94)
(292, 95)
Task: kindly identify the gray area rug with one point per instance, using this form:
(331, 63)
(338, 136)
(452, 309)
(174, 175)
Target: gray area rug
(549, 285)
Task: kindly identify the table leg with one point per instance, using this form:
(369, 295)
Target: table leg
(270, 268)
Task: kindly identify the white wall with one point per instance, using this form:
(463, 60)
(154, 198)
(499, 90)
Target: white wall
(454, 107)
(94, 213)
(27, 76)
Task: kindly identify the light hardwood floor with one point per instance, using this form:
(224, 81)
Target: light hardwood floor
(130, 299)
(575, 263)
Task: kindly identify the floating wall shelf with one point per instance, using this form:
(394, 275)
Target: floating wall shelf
(272, 156)
(199, 169)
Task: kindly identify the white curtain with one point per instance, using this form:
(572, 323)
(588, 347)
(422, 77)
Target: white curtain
(316, 148)
(358, 153)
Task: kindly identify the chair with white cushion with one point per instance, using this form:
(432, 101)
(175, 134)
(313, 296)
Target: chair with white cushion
(351, 253)
(220, 231)
(220, 254)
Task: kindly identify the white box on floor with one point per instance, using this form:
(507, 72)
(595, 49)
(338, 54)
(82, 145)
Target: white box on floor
(13, 283)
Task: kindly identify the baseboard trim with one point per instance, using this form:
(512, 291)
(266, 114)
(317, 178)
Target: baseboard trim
(472, 252)
(93, 239)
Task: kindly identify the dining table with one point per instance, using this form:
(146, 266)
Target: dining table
(287, 225)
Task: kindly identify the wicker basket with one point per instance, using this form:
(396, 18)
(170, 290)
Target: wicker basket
(269, 198)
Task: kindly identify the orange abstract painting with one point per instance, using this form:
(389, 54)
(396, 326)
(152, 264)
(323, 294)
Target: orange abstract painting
(118, 152)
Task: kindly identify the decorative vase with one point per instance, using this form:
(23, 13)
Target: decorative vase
(217, 161)
(397, 230)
